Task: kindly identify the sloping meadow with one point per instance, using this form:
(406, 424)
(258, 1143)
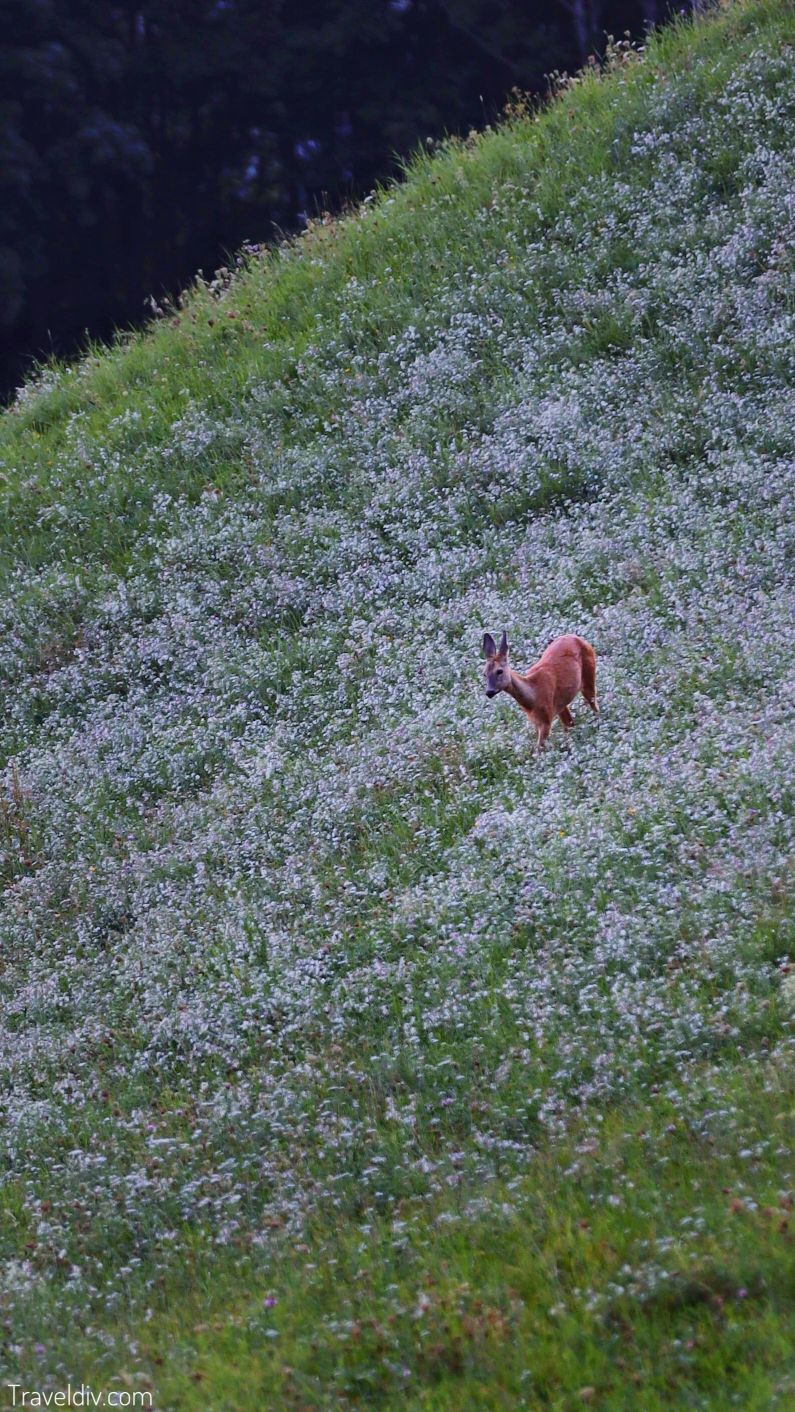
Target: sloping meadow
(296, 928)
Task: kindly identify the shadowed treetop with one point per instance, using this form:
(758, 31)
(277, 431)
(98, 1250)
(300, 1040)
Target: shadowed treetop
(140, 142)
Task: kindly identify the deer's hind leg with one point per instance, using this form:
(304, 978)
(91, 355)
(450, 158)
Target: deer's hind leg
(589, 680)
(566, 719)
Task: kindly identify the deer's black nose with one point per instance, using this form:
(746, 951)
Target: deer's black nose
(490, 693)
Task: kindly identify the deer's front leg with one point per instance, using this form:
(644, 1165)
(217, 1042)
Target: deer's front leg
(543, 728)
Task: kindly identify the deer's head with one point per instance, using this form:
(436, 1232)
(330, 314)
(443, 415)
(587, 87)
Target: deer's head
(496, 670)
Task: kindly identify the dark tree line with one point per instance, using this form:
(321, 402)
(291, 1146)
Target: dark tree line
(142, 141)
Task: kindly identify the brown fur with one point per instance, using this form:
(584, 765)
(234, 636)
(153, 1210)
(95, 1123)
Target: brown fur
(545, 691)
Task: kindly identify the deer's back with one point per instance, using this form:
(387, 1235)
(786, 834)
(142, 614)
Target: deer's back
(557, 675)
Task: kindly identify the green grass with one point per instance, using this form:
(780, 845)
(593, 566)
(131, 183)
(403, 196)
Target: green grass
(353, 1056)
(256, 330)
(647, 1259)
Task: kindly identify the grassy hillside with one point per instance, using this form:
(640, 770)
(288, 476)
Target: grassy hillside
(352, 1054)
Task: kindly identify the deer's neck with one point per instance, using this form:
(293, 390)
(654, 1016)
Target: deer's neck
(522, 691)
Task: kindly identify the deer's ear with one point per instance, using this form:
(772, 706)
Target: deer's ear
(504, 645)
(489, 650)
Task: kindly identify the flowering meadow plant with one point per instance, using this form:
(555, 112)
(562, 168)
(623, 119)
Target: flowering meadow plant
(344, 1038)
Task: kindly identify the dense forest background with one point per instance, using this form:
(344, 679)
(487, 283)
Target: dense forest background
(140, 142)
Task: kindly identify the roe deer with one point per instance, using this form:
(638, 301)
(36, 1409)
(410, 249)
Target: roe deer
(548, 688)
